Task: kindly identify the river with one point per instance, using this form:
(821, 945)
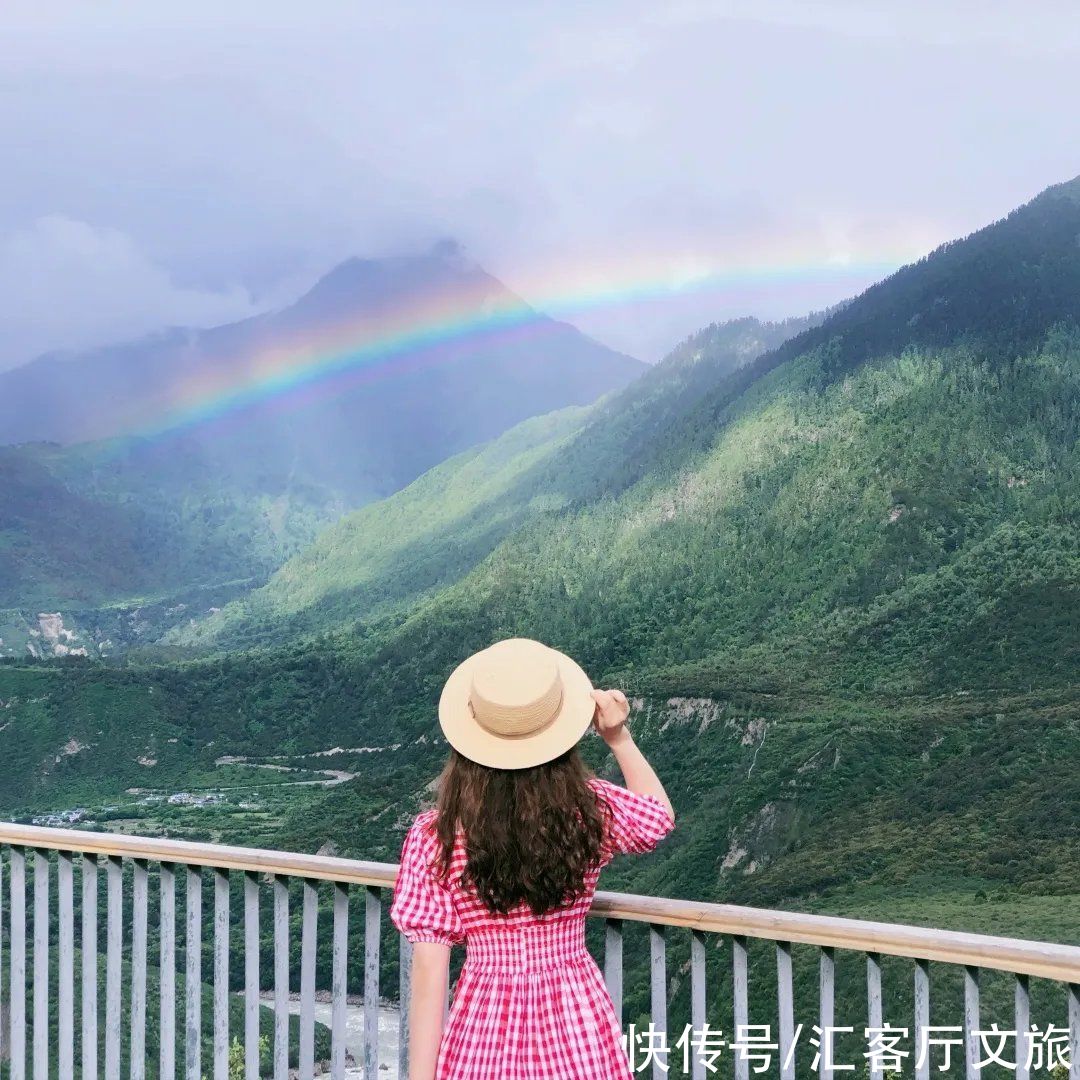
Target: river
(354, 1033)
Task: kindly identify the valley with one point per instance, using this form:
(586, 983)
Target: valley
(236, 800)
(834, 561)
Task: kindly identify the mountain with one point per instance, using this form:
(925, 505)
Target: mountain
(215, 455)
(448, 520)
(839, 582)
(382, 370)
(996, 294)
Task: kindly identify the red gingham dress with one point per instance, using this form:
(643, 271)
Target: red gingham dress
(530, 1003)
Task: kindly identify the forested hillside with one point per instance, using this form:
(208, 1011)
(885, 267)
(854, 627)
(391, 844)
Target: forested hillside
(120, 552)
(446, 522)
(842, 590)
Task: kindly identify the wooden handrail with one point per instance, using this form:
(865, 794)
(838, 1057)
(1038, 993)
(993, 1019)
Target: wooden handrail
(185, 852)
(1039, 959)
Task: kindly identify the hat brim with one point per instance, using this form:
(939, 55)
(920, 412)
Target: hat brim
(466, 735)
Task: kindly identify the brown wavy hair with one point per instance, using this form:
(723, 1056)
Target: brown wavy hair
(531, 834)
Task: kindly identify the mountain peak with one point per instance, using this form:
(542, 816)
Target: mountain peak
(448, 249)
(365, 413)
(1069, 189)
(375, 284)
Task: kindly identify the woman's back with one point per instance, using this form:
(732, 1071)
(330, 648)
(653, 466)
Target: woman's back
(530, 1002)
(449, 912)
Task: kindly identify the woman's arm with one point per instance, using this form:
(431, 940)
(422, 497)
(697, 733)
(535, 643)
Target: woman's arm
(612, 710)
(427, 1007)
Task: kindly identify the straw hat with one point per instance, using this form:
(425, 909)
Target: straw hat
(516, 704)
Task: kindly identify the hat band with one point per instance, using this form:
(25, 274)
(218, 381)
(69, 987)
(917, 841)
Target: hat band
(517, 721)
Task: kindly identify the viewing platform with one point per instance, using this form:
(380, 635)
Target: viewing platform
(166, 897)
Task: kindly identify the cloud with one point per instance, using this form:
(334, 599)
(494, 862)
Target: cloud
(1037, 26)
(69, 284)
(243, 148)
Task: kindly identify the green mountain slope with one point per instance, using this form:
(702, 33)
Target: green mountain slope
(56, 542)
(441, 526)
(423, 537)
(118, 552)
(842, 592)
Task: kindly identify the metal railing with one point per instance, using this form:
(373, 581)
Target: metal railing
(128, 862)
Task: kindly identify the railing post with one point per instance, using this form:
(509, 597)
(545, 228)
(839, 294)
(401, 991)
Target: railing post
(2, 1043)
(697, 997)
(17, 988)
(741, 1005)
(167, 970)
(1073, 994)
(193, 976)
(41, 965)
(88, 941)
(281, 978)
(308, 934)
(139, 903)
(1022, 1023)
(221, 974)
(658, 983)
(786, 1008)
(873, 1005)
(372, 934)
(114, 945)
(404, 995)
(251, 977)
(827, 1011)
(971, 1023)
(922, 1019)
(338, 988)
(613, 964)
(65, 903)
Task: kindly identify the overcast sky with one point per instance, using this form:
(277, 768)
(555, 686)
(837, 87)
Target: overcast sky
(192, 162)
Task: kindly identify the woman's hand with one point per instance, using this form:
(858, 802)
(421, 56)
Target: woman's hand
(609, 719)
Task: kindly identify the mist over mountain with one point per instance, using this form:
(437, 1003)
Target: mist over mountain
(170, 474)
(339, 389)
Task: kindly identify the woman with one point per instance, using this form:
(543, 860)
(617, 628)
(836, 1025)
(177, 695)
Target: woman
(507, 862)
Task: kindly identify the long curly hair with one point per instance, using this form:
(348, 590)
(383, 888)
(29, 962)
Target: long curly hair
(531, 834)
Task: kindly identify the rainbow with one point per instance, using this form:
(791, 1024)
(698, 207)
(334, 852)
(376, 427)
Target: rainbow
(426, 333)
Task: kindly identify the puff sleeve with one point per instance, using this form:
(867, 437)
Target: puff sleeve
(423, 907)
(636, 823)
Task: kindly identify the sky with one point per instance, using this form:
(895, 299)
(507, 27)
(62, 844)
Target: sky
(640, 169)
